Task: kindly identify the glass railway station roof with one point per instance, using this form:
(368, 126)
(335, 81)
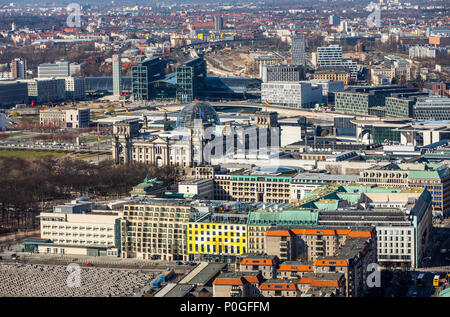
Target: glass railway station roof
(105, 83)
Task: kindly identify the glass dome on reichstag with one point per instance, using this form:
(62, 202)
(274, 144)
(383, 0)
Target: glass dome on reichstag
(201, 111)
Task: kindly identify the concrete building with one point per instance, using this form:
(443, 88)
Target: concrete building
(75, 88)
(298, 44)
(266, 265)
(13, 92)
(337, 73)
(218, 23)
(70, 118)
(261, 221)
(91, 233)
(237, 284)
(434, 178)
(247, 187)
(303, 183)
(291, 73)
(44, 90)
(78, 118)
(201, 188)
(432, 108)
(291, 94)
(381, 76)
(409, 209)
(325, 250)
(117, 75)
(155, 229)
(220, 235)
(334, 20)
(59, 69)
(19, 68)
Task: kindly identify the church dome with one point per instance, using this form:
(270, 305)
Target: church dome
(201, 111)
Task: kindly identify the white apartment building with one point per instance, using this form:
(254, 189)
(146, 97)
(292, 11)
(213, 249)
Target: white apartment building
(291, 94)
(93, 233)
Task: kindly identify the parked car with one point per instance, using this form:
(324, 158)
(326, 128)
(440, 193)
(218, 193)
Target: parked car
(89, 264)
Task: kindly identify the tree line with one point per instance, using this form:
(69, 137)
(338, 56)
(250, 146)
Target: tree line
(30, 186)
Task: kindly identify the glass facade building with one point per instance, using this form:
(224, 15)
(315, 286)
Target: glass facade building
(142, 76)
(189, 79)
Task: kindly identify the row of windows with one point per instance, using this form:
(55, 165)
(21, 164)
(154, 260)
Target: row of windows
(76, 228)
(76, 234)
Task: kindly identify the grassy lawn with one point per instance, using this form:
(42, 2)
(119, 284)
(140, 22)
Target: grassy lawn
(30, 153)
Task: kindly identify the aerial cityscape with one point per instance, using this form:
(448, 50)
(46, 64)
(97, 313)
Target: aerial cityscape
(199, 149)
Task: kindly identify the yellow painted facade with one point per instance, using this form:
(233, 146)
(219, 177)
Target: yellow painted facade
(217, 238)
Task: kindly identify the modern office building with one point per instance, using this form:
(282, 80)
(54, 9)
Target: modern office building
(331, 56)
(367, 100)
(399, 211)
(291, 94)
(201, 188)
(117, 75)
(399, 107)
(19, 68)
(13, 92)
(334, 20)
(90, 234)
(291, 73)
(219, 235)
(298, 50)
(59, 69)
(189, 79)
(432, 108)
(251, 187)
(143, 75)
(44, 90)
(75, 88)
(218, 23)
(155, 229)
(434, 178)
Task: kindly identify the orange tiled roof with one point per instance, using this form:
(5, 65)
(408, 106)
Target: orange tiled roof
(228, 281)
(295, 267)
(330, 263)
(255, 261)
(279, 233)
(279, 287)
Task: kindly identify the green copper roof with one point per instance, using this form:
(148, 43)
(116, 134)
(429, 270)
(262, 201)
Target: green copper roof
(285, 217)
(445, 292)
(436, 174)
